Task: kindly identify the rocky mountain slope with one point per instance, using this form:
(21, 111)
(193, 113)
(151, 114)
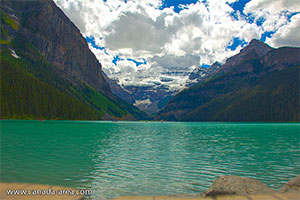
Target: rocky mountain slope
(255, 49)
(42, 45)
(118, 90)
(258, 84)
(200, 74)
(150, 98)
(155, 94)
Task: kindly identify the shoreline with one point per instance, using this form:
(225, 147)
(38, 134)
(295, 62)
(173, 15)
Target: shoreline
(224, 188)
(151, 121)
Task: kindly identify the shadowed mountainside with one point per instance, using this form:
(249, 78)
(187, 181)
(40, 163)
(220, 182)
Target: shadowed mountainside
(44, 48)
(258, 84)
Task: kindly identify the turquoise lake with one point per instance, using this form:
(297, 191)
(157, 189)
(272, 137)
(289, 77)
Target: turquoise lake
(138, 158)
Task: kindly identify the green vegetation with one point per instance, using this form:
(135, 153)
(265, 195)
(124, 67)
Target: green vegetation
(248, 92)
(100, 102)
(265, 100)
(36, 65)
(23, 96)
(34, 87)
(134, 111)
(5, 22)
(7, 42)
(43, 73)
(8, 21)
(163, 102)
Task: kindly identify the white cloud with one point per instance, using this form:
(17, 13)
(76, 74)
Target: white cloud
(272, 6)
(276, 15)
(274, 12)
(137, 32)
(173, 43)
(287, 35)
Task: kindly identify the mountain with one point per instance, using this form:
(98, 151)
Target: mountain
(200, 74)
(258, 84)
(255, 49)
(151, 87)
(153, 95)
(48, 71)
(150, 98)
(147, 98)
(118, 90)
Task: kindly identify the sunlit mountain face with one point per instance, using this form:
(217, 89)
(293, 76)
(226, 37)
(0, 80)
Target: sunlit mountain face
(151, 47)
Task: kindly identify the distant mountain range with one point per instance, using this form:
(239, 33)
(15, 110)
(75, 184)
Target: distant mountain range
(150, 98)
(147, 98)
(48, 71)
(200, 74)
(258, 84)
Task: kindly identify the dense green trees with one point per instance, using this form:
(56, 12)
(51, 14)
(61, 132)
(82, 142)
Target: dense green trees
(257, 89)
(56, 75)
(273, 98)
(30, 89)
(23, 96)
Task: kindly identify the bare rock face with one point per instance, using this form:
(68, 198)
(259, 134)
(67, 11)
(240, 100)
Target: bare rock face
(48, 30)
(255, 49)
(118, 90)
(292, 186)
(229, 185)
(201, 74)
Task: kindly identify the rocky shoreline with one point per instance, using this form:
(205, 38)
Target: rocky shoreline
(234, 188)
(224, 188)
(237, 185)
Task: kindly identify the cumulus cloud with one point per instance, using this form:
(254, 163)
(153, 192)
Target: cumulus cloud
(287, 35)
(272, 6)
(277, 19)
(175, 43)
(137, 32)
(275, 13)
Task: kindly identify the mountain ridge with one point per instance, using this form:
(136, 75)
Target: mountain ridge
(212, 99)
(49, 47)
(200, 74)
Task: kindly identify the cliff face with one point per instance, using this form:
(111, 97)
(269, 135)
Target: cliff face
(118, 90)
(260, 87)
(201, 74)
(46, 27)
(50, 49)
(255, 49)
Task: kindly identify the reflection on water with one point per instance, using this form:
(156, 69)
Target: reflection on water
(126, 158)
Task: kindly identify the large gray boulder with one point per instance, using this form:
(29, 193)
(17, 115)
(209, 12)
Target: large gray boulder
(228, 185)
(291, 186)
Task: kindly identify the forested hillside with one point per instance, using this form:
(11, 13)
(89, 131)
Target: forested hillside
(48, 71)
(256, 88)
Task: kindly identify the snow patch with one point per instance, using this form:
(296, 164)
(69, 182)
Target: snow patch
(139, 102)
(13, 53)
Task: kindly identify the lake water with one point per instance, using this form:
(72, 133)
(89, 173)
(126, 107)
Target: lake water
(139, 158)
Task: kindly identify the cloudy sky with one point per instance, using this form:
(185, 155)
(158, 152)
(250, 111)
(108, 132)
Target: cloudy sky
(146, 42)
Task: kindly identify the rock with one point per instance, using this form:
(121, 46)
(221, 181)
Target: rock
(228, 185)
(201, 74)
(291, 186)
(48, 30)
(254, 49)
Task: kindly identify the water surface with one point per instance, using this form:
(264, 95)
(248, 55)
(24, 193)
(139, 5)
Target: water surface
(139, 158)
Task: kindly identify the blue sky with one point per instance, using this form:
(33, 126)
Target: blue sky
(146, 41)
(179, 5)
(176, 4)
(238, 6)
